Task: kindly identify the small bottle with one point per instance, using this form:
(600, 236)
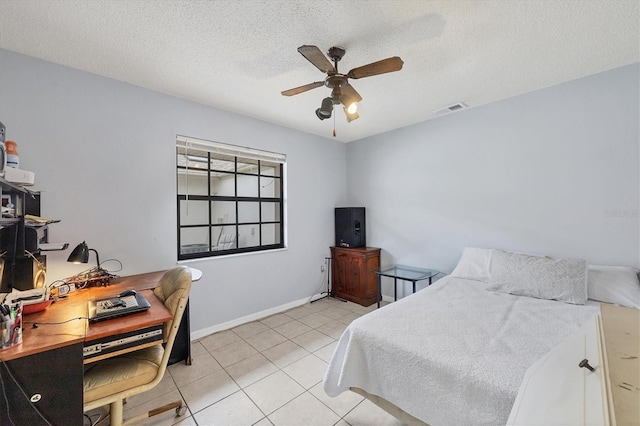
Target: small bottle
(12, 154)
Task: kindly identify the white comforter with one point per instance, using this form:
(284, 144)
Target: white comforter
(453, 353)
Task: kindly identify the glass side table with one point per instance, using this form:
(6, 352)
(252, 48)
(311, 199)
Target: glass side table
(403, 273)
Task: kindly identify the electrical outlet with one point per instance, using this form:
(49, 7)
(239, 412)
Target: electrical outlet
(321, 268)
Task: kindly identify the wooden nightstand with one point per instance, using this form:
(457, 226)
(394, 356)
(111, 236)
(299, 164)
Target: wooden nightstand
(352, 274)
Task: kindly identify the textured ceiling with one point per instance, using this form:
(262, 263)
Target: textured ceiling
(239, 55)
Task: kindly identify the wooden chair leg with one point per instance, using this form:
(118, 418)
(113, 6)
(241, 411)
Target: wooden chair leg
(177, 405)
(117, 411)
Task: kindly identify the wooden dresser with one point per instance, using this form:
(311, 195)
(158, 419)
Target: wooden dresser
(352, 274)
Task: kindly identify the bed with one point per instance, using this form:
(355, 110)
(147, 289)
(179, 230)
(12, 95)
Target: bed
(457, 351)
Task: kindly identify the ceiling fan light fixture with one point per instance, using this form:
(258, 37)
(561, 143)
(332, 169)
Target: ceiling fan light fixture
(351, 115)
(321, 115)
(350, 104)
(325, 109)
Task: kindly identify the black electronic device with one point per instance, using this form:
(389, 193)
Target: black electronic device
(34, 236)
(130, 339)
(95, 276)
(26, 273)
(9, 238)
(350, 227)
(127, 293)
(32, 204)
(117, 306)
(24, 268)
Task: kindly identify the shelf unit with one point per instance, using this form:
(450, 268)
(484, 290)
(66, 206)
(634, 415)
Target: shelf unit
(8, 222)
(17, 196)
(12, 231)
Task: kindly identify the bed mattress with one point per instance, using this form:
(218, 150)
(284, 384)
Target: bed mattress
(453, 353)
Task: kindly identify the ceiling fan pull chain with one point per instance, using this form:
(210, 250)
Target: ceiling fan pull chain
(334, 125)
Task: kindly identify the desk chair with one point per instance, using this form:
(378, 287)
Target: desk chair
(112, 380)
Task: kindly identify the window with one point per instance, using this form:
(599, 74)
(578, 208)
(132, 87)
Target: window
(230, 199)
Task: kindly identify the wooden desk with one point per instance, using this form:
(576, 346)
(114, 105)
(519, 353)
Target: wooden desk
(49, 362)
(49, 336)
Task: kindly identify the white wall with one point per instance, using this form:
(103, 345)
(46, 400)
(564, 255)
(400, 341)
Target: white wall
(104, 157)
(554, 171)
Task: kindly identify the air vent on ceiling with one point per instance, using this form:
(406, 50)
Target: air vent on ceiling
(449, 109)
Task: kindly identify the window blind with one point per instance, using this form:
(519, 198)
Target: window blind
(226, 149)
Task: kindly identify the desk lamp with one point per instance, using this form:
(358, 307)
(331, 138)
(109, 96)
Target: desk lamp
(95, 276)
(80, 254)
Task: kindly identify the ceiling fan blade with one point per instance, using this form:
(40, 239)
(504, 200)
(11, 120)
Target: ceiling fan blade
(350, 92)
(316, 57)
(301, 89)
(375, 68)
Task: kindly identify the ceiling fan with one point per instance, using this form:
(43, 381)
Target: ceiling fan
(341, 91)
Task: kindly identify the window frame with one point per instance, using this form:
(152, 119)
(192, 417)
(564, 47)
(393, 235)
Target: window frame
(240, 155)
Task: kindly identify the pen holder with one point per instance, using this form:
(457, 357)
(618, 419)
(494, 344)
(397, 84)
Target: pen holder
(11, 326)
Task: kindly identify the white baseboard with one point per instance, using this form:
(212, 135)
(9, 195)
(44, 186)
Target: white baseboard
(198, 334)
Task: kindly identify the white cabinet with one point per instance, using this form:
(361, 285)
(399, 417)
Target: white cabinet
(557, 391)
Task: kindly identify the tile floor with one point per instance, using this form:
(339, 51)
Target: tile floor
(267, 372)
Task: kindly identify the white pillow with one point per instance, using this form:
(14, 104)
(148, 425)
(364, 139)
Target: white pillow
(541, 277)
(614, 284)
(474, 264)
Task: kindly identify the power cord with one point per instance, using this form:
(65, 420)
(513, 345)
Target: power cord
(111, 260)
(91, 422)
(36, 324)
(6, 401)
(56, 283)
(41, 265)
(322, 281)
(81, 280)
